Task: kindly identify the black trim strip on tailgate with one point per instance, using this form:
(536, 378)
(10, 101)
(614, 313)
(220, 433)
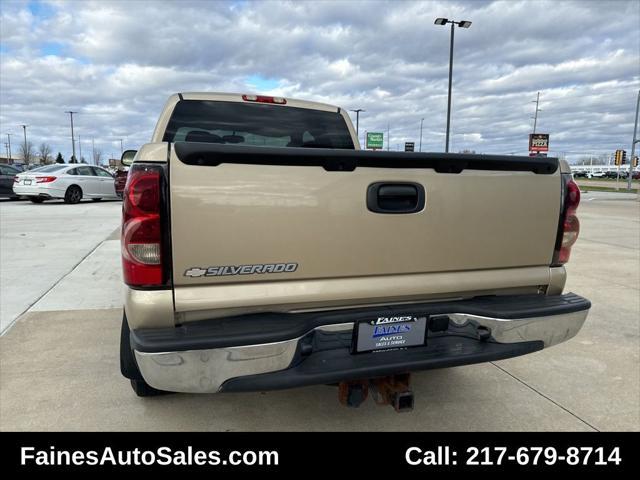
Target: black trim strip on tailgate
(212, 154)
(261, 328)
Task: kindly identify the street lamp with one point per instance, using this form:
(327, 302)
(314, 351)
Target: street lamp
(9, 147)
(535, 117)
(461, 24)
(421, 122)
(633, 144)
(358, 110)
(26, 151)
(73, 140)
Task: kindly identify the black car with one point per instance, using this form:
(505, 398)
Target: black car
(7, 172)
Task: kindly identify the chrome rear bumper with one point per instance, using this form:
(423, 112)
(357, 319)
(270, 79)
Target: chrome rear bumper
(206, 370)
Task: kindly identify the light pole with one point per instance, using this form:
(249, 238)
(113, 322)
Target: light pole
(461, 24)
(9, 146)
(388, 136)
(633, 145)
(80, 147)
(535, 118)
(73, 140)
(421, 122)
(358, 110)
(121, 149)
(24, 129)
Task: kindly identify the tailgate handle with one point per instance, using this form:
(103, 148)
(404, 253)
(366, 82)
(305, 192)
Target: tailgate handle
(393, 197)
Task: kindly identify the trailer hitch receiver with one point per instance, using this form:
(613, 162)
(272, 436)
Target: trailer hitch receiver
(393, 390)
(352, 394)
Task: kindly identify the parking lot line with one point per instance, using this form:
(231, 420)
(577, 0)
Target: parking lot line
(545, 396)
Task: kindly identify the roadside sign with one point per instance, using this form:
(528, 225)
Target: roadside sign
(409, 146)
(538, 142)
(375, 140)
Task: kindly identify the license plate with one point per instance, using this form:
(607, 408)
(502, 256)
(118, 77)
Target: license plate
(27, 182)
(385, 333)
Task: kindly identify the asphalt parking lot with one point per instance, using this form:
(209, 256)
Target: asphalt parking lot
(60, 288)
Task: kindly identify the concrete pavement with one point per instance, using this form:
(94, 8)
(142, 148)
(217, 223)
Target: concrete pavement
(40, 243)
(60, 372)
(97, 277)
(59, 365)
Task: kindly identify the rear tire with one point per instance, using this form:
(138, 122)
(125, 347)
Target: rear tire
(36, 199)
(129, 367)
(73, 195)
(143, 389)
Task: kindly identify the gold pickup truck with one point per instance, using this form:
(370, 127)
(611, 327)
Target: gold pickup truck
(262, 249)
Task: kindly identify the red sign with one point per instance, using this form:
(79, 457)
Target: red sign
(538, 142)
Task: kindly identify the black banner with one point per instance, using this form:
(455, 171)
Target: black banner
(320, 453)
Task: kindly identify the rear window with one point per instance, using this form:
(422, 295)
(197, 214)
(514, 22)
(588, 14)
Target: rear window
(256, 124)
(49, 168)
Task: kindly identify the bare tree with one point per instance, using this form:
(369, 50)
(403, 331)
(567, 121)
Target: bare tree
(27, 152)
(97, 156)
(45, 153)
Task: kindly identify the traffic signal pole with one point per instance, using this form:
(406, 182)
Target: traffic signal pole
(633, 145)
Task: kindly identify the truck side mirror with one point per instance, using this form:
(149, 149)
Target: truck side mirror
(127, 157)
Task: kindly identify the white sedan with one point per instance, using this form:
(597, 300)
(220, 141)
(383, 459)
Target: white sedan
(71, 182)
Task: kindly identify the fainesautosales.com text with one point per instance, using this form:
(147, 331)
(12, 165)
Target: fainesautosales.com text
(145, 457)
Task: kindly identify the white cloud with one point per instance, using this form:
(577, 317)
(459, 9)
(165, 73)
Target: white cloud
(119, 61)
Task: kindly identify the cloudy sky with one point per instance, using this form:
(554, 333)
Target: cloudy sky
(116, 62)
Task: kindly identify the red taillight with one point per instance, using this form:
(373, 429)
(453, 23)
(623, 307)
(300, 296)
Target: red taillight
(569, 226)
(572, 195)
(45, 179)
(264, 99)
(141, 228)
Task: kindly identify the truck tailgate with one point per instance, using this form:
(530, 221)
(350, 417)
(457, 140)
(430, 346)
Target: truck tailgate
(252, 213)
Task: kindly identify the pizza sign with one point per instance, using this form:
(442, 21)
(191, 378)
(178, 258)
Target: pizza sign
(538, 142)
